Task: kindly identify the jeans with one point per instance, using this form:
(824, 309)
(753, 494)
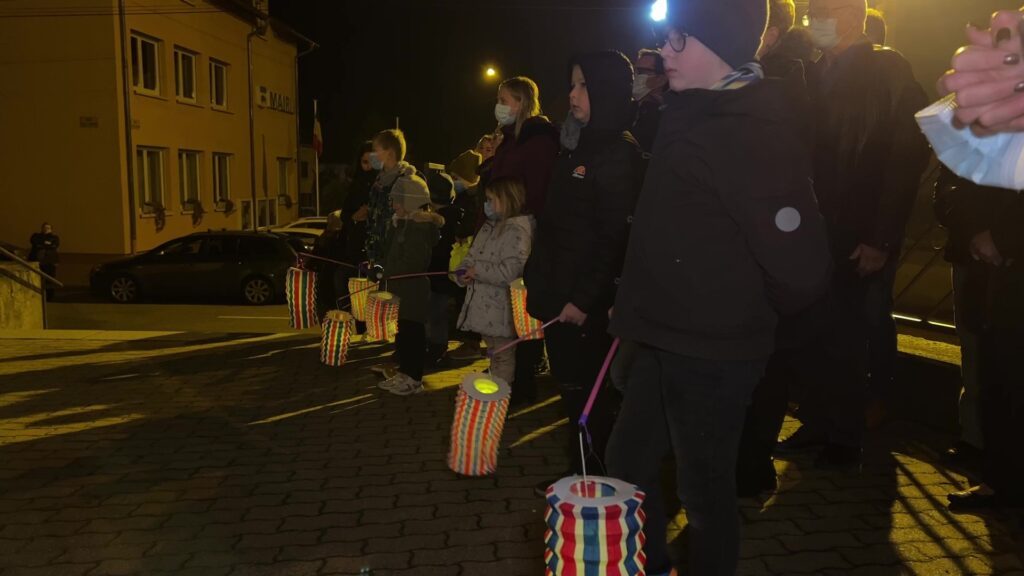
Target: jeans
(694, 407)
(411, 346)
(437, 330)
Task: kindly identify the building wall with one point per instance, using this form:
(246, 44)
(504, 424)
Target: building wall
(63, 155)
(60, 123)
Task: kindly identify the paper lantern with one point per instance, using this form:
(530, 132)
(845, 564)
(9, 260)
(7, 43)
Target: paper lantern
(300, 291)
(527, 327)
(381, 316)
(337, 332)
(360, 289)
(481, 405)
(594, 527)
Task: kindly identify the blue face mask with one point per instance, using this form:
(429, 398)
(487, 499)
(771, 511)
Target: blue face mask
(489, 210)
(375, 162)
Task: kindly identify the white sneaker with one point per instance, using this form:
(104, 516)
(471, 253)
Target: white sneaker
(389, 384)
(406, 386)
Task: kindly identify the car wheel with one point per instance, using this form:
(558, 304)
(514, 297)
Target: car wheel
(257, 291)
(124, 289)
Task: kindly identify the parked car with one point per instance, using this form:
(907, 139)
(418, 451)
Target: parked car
(307, 236)
(317, 223)
(249, 265)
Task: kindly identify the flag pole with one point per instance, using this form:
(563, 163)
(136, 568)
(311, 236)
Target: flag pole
(316, 161)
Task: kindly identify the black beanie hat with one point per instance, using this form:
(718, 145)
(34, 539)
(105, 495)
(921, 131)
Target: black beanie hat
(732, 29)
(441, 187)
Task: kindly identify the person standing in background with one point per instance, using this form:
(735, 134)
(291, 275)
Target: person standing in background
(44, 251)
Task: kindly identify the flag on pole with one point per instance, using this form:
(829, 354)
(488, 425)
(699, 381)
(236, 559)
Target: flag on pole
(318, 137)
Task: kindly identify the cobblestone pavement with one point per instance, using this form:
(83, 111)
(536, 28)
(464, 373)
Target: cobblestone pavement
(242, 455)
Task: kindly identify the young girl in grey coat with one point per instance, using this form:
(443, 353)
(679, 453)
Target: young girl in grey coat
(496, 258)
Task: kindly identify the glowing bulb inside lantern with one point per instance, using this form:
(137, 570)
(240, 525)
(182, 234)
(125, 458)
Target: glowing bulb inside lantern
(485, 386)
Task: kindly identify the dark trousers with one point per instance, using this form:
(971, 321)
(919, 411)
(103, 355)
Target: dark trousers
(411, 346)
(766, 413)
(50, 269)
(881, 329)
(835, 399)
(575, 355)
(695, 408)
(528, 356)
(437, 330)
(1002, 409)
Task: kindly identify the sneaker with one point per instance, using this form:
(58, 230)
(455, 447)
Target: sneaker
(406, 386)
(389, 384)
(803, 440)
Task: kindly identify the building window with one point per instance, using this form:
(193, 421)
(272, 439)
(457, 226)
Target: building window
(149, 173)
(266, 212)
(221, 177)
(184, 75)
(188, 179)
(282, 176)
(145, 64)
(304, 167)
(218, 84)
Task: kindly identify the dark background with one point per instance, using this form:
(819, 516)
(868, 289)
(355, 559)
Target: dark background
(423, 60)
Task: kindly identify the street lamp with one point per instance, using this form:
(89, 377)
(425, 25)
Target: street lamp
(659, 10)
(491, 73)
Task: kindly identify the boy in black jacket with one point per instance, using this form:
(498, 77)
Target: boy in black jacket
(726, 236)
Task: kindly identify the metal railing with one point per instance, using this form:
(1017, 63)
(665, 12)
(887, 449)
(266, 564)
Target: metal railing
(28, 266)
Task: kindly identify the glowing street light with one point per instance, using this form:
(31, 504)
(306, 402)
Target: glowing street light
(659, 10)
(490, 72)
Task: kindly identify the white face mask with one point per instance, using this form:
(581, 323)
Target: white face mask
(823, 33)
(503, 114)
(640, 89)
(996, 160)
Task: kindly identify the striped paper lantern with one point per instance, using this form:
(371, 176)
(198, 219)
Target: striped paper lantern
(360, 289)
(594, 527)
(381, 316)
(481, 405)
(527, 327)
(337, 333)
(300, 291)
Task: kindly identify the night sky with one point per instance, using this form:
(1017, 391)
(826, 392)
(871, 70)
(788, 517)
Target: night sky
(423, 60)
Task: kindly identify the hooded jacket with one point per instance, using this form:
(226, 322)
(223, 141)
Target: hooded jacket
(528, 158)
(498, 255)
(581, 237)
(727, 234)
(380, 208)
(407, 250)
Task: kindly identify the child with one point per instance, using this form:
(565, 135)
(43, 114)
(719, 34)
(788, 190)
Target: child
(408, 244)
(497, 257)
(442, 191)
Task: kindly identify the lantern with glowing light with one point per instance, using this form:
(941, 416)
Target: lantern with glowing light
(300, 292)
(527, 327)
(481, 405)
(359, 291)
(595, 525)
(381, 316)
(338, 327)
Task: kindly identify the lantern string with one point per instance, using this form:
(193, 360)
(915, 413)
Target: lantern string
(583, 461)
(525, 337)
(302, 255)
(399, 277)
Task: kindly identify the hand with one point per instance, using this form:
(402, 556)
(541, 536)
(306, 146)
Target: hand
(469, 275)
(869, 259)
(572, 315)
(983, 248)
(611, 311)
(986, 77)
(362, 214)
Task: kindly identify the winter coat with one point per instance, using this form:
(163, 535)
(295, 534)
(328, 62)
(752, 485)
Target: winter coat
(498, 255)
(727, 234)
(529, 158)
(869, 152)
(442, 253)
(966, 209)
(44, 248)
(380, 208)
(407, 250)
(645, 127)
(355, 232)
(581, 237)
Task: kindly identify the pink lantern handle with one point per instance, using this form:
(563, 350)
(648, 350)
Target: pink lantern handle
(585, 415)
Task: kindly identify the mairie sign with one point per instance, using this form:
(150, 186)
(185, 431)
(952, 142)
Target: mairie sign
(274, 100)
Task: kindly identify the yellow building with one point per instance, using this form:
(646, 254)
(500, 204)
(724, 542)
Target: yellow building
(206, 147)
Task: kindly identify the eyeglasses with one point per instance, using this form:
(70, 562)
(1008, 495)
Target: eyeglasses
(675, 39)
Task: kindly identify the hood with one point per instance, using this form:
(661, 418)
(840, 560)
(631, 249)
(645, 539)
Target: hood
(777, 101)
(403, 168)
(609, 77)
(427, 217)
(411, 192)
